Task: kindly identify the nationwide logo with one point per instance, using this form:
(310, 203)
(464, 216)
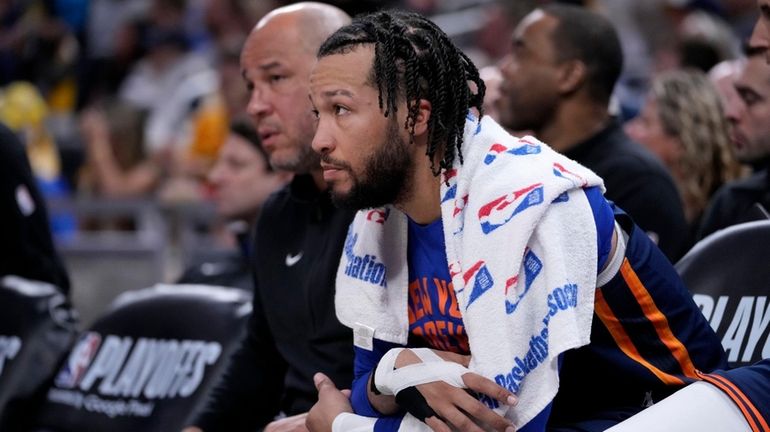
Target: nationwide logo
(9, 348)
(575, 179)
(123, 366)
(363, 267)
(482, 281)
(528, 148)
(497, 213)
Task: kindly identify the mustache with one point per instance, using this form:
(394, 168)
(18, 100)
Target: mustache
(328, 160)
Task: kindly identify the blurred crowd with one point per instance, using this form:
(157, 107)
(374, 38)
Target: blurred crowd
(119, 100)
(154, 129)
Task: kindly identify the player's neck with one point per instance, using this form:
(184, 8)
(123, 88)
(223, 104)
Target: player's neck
(423, 204)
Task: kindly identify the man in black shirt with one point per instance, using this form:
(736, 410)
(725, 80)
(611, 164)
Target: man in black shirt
(557, 82)
(26, 248)
(736, 202)
(293, 332)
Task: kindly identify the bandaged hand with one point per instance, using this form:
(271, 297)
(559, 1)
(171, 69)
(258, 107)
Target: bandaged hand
(437, 387)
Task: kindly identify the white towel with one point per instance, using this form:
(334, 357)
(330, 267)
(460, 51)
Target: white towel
(521, 247)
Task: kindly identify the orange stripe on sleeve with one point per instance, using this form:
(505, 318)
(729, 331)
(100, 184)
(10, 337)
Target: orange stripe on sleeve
(620, 336)
(658, 320)
(740, 399)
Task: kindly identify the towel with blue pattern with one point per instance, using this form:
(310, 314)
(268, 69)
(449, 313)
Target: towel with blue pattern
(521, 247)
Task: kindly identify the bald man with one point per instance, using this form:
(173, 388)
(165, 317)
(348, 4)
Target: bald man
(293, 331)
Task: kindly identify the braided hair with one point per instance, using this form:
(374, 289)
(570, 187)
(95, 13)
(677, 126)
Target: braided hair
(413, 60)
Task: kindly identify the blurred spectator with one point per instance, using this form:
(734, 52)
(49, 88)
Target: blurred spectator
(684, 125)
(111, 45)
(242, 179)
(186, 120)
(116, 165)
(26, 248)
(235, 95)
(557, 82)
(40, 47)
(705, 40)
(492, 80)
(229, 21)
(734, 202)
(723, 76)
(24, 111)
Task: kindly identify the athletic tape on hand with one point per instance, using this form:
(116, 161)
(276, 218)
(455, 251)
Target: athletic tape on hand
(433, 368)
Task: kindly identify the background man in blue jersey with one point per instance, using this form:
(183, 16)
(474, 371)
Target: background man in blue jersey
(400, 123)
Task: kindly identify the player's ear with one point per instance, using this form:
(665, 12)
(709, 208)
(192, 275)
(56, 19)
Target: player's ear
(424, 109)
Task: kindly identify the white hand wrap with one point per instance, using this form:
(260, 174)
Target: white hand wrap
(433, 368)
(349, 422)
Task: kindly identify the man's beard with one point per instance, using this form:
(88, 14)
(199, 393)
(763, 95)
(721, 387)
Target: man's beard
(386, 178)
(304, 162)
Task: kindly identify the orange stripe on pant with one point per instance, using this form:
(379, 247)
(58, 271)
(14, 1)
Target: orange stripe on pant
(740, 399)
(658, 320)
(621, 338)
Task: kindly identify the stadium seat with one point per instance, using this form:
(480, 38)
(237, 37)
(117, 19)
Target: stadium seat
(728, 274)
(37, 329)
(149, 363)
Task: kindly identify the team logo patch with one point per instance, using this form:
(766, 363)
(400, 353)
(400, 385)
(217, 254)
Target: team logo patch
(482, 281)
(497, 213)
(79, 360)
(24, 200)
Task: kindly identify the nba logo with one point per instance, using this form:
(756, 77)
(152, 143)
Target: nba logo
(493, 152)
(560, 171)
(79, 360)
(460, 205)
(528, 148)
(482, 280)
(497, 213)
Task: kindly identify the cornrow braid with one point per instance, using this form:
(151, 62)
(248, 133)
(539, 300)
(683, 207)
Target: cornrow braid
(414, 59)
